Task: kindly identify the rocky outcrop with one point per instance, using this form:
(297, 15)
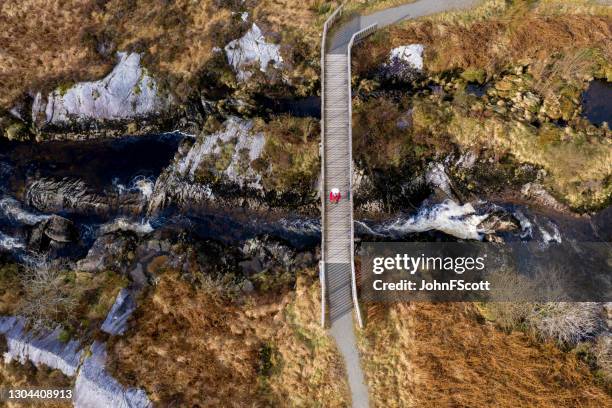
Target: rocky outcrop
(128, 92)
(227, 153)
(54, 232)
(41, 348)
(537, 193)
(116, 320)
(66, 194)
(252, 49)
(225, 157)
(94, 387)
(405, 64)
(109, 251)
(411, 54)
(73, 195)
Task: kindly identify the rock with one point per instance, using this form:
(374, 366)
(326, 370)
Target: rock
(116, 320)
(247, 286)
(436, 177)
(250, 49)
(66, 194)
(73, 195)
(41, 348)
(60, 229)
(270, 254)
(138, 276)
(53, 229)
(405, 64)
(226, 156)
(95, 388)
(251, 266)
(537, 193)
(127, 92)
(109, 251)
(228, 152)
(411, 54)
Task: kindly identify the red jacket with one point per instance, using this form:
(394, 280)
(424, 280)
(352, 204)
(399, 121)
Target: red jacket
(334, 197)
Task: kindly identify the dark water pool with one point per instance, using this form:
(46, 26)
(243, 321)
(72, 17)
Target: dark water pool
(98, 163)
(300, 107)
(477, 89)
(597, 102)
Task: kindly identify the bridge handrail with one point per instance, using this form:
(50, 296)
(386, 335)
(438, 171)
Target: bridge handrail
(358, 36)
(328, 23)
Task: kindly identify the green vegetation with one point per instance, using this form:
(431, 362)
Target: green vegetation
(290, 160)
(536, 60)
(49, 296)
(577, 159)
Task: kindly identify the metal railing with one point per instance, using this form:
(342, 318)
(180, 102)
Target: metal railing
(358, 36)
(328, 23)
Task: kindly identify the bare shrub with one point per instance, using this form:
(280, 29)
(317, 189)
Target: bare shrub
(45, 300)
(565, 322)
(602, 352)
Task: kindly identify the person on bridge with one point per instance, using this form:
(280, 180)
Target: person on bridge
(334, 195)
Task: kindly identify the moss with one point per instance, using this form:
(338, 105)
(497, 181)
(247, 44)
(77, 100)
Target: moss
(64, 336)
(474, 75)
(63, 88)
(16, 131)
(291, 154)
(577, 167)
(137, 89)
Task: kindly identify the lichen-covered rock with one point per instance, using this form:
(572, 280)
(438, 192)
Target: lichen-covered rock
(251, 49)
(411, 54)
(116, 320)
(127, 92)
(39, 348)
(228, 153)
(405, 64)
(94, 387)
(226, 156)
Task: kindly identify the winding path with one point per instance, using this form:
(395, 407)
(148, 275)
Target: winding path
(337, 265)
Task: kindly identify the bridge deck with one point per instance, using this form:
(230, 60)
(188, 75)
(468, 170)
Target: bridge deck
(338, 216)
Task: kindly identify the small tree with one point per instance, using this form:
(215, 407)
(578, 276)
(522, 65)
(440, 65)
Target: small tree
(45, 300)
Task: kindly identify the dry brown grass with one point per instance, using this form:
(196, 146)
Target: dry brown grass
(519, 34)
(42, 41)
(195, 347)
(290, 160)
(426, 355)
(176, 38)
(18, 376)
(50, 43)
(369, 6)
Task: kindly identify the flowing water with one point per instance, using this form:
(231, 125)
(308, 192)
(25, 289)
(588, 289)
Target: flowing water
(125, 171)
